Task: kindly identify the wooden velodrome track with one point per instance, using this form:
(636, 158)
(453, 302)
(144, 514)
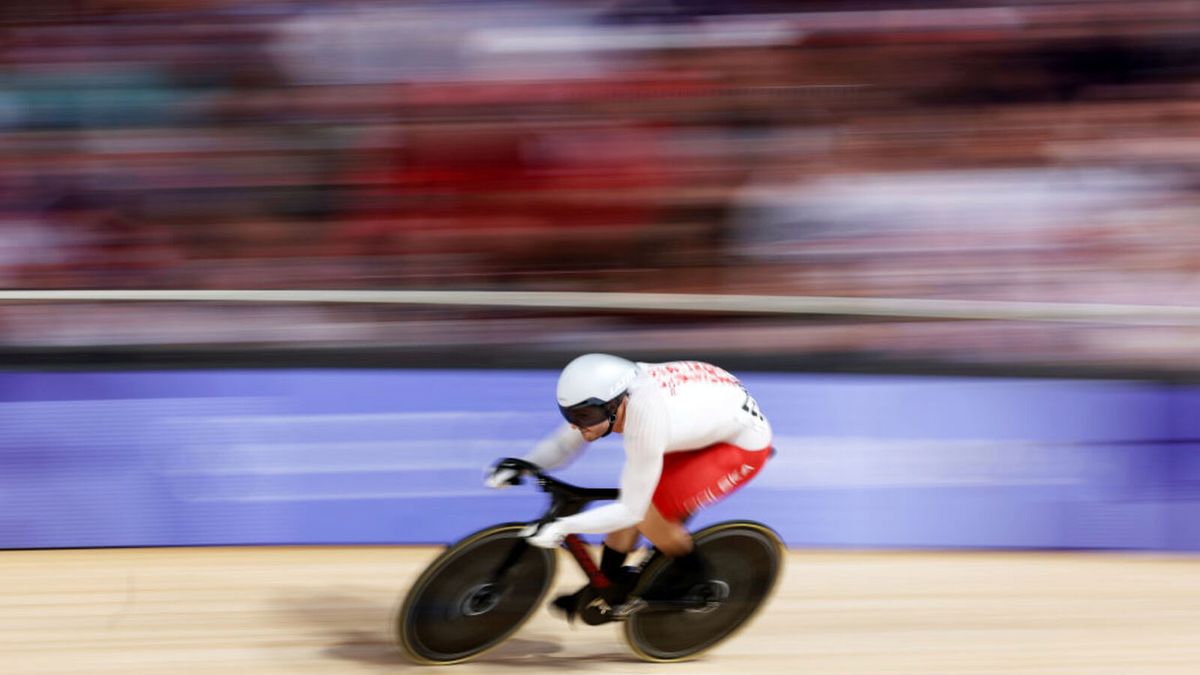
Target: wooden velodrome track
(247, 611)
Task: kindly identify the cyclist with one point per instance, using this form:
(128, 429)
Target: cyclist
(692, 435)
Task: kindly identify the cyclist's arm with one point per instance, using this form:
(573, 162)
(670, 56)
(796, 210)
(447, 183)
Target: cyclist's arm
(557, 448)
(645, 443)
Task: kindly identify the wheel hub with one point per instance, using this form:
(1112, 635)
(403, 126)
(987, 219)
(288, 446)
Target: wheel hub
(480, 599)
(714, 592)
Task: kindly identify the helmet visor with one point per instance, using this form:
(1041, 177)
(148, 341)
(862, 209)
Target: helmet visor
(590, 412)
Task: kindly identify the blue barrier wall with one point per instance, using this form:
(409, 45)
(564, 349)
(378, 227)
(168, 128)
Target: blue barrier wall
(326, 456)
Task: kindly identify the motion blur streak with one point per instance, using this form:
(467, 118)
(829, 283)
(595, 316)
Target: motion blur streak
(1026, 151)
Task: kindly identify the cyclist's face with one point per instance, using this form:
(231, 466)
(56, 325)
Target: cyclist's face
(597, 431)
(593, 432)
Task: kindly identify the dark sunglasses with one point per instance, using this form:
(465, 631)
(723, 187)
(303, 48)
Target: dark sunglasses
(591, 412)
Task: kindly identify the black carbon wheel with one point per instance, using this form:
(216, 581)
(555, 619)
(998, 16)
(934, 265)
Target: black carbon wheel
(744, 560)
(454, 612)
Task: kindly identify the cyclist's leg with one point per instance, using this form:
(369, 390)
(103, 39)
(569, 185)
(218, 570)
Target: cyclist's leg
(622, 540)
(612, 560)
(691, 481)
(668, 535)
(617, 546)
(673, 540)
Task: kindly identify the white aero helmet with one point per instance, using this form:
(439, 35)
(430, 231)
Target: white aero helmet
(591, 388)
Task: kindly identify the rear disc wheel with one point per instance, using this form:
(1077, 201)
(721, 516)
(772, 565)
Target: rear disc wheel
(744, 560)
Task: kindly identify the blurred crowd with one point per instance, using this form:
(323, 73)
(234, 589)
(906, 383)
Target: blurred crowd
(1042, 151)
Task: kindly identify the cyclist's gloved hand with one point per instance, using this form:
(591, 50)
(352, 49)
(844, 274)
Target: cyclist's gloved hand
(502, 475)
(550, 535)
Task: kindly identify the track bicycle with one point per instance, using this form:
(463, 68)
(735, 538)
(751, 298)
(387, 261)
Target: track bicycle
(483, 588)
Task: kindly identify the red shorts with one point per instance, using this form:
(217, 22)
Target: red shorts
(695, 479)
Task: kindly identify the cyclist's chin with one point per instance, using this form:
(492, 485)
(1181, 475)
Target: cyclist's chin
(592, 433)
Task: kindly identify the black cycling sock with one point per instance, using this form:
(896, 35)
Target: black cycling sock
(612, 565)
(611, 562)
